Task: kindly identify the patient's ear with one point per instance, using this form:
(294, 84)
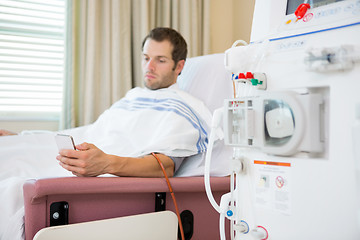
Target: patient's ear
(179, 66)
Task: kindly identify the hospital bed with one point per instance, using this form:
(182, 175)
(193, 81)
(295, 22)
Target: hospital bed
(68, 200)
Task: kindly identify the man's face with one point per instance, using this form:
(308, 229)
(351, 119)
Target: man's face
(158, 67)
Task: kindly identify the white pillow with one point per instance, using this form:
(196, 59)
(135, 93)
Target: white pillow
(206, 78)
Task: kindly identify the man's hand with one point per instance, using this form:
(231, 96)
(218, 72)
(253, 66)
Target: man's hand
(4, 132)
(89, 161)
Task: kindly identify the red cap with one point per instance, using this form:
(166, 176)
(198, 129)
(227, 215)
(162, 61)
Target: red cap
(301, 10)
(241, 76)
(249, 75)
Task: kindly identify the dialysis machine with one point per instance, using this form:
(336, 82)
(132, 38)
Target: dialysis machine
(293, 124)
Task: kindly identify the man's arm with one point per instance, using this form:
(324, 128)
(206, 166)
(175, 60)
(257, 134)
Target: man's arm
(91, 161)
(4, 132)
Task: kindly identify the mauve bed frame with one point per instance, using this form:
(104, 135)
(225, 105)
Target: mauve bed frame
(95, 198)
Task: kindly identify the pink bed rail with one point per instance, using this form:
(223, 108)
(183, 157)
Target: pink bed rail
(96, 198)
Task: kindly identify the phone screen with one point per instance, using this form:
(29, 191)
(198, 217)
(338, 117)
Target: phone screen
(64, 142)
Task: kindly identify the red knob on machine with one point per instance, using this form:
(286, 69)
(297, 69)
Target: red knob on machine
(301, 10)
(249, 75)
(242, 76)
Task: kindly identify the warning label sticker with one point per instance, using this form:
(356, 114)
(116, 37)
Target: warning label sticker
(272, 185)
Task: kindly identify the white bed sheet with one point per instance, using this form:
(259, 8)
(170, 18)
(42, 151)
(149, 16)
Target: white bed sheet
(17, 167)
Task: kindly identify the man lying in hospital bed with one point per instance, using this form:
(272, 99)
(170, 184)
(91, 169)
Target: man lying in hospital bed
(127, 123)
(160, 118)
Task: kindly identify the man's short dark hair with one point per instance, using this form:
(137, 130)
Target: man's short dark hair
(160, 34)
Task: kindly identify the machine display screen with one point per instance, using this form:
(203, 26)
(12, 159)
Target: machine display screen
(293, 4)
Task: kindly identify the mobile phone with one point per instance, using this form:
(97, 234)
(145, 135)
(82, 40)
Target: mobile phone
(64, 142)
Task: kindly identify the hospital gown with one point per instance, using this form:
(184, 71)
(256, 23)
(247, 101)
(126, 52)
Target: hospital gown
(167, 121)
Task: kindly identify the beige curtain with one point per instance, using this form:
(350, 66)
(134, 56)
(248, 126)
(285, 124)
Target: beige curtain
(105, 48)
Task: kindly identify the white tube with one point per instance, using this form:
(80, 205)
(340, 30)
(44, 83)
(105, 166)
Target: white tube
(222, 226)
(232, 205)
(215, 123)
(239, 41)
(207, 172)
(239, 204)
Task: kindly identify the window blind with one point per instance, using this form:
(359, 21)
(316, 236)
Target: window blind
(32, 49)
